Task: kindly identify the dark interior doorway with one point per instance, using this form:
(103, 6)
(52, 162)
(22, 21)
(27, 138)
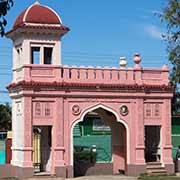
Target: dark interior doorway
(42, 156)
(152, 144)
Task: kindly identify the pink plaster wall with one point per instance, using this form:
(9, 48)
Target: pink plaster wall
(70, 93)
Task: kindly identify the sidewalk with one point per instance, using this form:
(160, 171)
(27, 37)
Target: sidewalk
(107, 177)
(98, 177)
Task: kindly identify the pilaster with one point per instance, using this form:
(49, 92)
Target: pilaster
(58, 133)
(166, 132)
(139, 131)
(27, 132)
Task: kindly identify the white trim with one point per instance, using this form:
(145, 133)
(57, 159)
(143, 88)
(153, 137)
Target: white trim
(37, 2)
(26, 12)
(41, 46)
(161, 147)
(42, 24)
(117, 119)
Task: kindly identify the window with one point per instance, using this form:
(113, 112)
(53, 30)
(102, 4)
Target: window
(18, 55)
(41, 53)
(48, 55)
(99, 125)
(35, 55)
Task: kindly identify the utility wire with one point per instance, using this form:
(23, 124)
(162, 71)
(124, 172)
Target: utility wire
(80, 53)
(3, 92)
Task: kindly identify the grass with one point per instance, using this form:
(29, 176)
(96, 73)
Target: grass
(158, 177)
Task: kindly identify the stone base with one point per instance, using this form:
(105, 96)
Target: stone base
(176, 165)
(69, 171)
(135, 169)
(60, 171)
(170, 168)
(21, 172)
(82, 169)
(8, 170)
(64, 171)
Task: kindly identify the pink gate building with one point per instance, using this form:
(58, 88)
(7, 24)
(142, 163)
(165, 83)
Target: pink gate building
(50, 99)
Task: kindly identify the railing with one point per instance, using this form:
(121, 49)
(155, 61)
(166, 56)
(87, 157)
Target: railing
(50, 73)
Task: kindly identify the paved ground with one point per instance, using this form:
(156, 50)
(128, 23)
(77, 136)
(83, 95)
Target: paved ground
(109, 177)
(99, 177)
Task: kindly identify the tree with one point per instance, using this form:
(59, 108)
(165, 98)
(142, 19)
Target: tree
(5, 5)
(5, 117)
(171, 16)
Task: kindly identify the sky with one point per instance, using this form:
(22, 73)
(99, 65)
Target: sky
(101, 32)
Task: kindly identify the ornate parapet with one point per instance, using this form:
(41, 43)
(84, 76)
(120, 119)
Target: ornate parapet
(122, 78)
(106, 75)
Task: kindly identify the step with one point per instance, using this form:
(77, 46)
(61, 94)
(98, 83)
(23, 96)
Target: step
(156, 170)
(153, 163)
(43, 175)
(157, 173)
(154, 167)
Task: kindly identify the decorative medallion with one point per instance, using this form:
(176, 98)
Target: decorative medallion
(124, 110)
(76, 110)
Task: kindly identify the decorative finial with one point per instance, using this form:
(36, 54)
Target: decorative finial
(165, 67)
(37, 2)
(122, 62)
(137, 60)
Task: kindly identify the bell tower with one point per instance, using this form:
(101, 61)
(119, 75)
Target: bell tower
(36, 36)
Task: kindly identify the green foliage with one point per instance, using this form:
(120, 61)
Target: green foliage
(176, 104)
(158, 177)
(5, 5)
(5, 117)
(171, 16)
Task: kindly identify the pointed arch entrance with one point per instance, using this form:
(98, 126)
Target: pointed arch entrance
(119, 138)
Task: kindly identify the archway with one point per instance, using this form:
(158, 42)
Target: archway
(118, 141)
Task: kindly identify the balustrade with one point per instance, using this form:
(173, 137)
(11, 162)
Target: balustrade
(106, 75)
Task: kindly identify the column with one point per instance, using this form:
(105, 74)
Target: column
(27, 114)
(166, 132)
(139, 131)
(58, 133)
